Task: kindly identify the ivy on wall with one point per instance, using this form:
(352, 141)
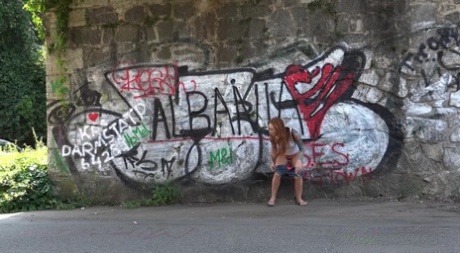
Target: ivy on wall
(22, 76)
(62, 9)
(22, 66)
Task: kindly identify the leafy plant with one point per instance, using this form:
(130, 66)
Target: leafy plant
(62, 10)
(162, 194)
(165, 194)
(36, 9)
(24, 183)
(22, 75)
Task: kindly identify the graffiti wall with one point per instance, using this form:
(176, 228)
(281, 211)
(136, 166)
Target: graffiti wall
(187, 96)
(163, 122)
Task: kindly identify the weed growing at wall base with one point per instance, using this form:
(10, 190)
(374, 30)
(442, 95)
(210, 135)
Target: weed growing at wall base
(162, 194)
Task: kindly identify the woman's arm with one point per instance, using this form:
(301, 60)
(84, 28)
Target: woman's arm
(273, 158)
(298, 140)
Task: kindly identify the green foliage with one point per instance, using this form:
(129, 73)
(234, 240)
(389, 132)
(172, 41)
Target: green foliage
(36, 8)
(77, 201)
(16, 29)
(62, 10)
(58, 86)
(22, 76)
(165, 194)
(24, 184)
(162, 194)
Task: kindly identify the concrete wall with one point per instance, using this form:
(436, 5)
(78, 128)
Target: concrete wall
(149, 92)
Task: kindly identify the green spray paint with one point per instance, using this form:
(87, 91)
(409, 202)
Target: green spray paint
(221, 157)
(136, 134)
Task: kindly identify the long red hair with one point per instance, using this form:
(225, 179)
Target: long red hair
(280, 139)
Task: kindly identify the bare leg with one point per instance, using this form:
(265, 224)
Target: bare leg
(275, 185)
(298, 185)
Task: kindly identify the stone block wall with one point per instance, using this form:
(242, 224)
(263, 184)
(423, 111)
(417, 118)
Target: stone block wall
(150, 92)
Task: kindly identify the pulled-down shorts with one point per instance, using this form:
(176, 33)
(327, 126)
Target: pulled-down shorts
(283, 170)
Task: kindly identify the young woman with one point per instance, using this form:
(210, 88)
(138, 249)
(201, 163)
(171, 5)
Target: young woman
(287, 147)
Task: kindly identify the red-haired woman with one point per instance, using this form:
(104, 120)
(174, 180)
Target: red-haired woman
(286, 146)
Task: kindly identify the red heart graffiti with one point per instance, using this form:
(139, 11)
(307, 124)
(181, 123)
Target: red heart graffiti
(93, 116)
(329, 87)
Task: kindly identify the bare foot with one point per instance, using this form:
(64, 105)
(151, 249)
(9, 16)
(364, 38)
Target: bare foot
(301, 202)
(271, 203)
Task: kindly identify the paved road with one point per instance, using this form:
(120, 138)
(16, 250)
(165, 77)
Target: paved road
(322, 226)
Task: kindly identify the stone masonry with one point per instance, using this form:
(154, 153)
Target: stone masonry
(147, 92)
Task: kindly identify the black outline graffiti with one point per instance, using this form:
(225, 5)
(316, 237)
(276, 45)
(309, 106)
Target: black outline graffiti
(159, 109)
(88, 97)
(218, 95)
(440, 45)
(353, 63)
(131, 157)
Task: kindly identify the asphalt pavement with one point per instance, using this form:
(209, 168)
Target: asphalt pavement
(322, 226)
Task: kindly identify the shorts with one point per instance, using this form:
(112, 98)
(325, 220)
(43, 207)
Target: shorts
(282, 170)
